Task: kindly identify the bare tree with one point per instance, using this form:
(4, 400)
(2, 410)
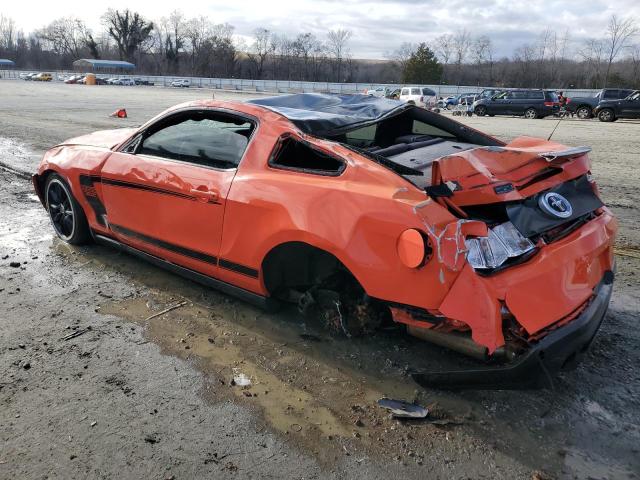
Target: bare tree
(261, 49)
(302, 49)
(128, 29)
(7, 33)
(175, 36)
(619, 33)
(337, 46)
(461, 44)
(444, 48)
(593, 55)
(482, 54)
(403, 54)
(634, 57)
(67, 36)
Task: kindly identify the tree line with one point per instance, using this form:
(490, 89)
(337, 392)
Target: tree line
(177, 45)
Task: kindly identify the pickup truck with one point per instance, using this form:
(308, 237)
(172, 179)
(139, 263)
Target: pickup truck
(583, 106)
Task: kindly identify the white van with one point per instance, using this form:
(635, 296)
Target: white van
(420, 96)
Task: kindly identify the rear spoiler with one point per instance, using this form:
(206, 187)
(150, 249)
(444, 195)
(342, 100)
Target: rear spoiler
(564, 154)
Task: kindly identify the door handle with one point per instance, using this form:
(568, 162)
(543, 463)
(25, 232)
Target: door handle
(205, 195)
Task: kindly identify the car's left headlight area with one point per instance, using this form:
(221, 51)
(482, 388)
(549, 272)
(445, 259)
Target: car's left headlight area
(503, 243)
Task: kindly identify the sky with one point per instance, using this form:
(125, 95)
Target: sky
(378, 27)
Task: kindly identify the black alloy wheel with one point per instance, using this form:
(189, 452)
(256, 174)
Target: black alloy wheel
(67, 216)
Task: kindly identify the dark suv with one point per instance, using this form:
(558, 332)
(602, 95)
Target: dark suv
(611, 110)
(584, 107)
(528, 102)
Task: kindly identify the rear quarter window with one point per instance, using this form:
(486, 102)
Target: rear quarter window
(296, 155)
(421, 128)
(428, 91)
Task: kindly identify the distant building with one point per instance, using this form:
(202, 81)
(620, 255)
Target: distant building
(4, 63)
(102, 66)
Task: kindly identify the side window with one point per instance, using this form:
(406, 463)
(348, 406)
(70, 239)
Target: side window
(608, 94)
(203, 138)
(362, 137)
(294, 154)
(405, 91)
(415, 91)
(421, 128)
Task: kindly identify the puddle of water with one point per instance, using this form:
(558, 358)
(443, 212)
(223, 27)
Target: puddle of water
(319, 405)
(220, 347)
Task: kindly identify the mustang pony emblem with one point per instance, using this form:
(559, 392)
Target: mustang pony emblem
(556, 205)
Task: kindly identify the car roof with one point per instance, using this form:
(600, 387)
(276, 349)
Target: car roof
(323, 114)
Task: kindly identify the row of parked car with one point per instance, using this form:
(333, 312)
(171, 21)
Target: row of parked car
(100, 80)
(608, 105)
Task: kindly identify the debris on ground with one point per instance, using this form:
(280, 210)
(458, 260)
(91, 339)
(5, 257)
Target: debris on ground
(240, 379)
(76, 333)
(402, 409)
(166, 310)
(120, 113)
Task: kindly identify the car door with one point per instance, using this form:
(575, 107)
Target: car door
(499, 105)
(519, 101)
(165, 190)
(630, 106)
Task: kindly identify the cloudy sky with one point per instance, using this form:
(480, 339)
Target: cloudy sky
(378, 27)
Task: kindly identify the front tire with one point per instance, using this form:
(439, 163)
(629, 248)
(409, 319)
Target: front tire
(480, 110)
(606, 115)
(66, 214)
(583, 113)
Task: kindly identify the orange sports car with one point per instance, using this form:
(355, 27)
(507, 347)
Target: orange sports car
(358, 209)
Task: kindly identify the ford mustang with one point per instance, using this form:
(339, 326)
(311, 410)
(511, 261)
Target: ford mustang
(359, 210)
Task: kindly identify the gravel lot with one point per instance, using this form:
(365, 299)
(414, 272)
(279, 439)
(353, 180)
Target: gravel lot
(93, 388)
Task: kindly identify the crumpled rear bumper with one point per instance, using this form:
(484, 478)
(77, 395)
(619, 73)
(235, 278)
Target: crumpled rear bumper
(557, 350)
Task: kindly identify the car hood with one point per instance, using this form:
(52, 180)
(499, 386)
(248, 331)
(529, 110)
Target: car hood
(108, 139)
(512, 172)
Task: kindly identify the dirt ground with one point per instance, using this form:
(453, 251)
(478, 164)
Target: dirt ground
(92, 387)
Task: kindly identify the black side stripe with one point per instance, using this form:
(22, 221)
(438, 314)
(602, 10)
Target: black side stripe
(203, 257)
(236, 267)
(140, 186)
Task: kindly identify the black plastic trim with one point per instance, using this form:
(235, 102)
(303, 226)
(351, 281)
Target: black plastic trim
(203, 257)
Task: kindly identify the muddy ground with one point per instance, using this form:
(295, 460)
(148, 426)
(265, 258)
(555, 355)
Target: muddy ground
(91, 387)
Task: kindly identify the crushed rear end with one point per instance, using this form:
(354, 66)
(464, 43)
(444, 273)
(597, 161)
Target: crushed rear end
(535, 281)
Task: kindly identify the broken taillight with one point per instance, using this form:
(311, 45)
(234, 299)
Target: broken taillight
(503, 242)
